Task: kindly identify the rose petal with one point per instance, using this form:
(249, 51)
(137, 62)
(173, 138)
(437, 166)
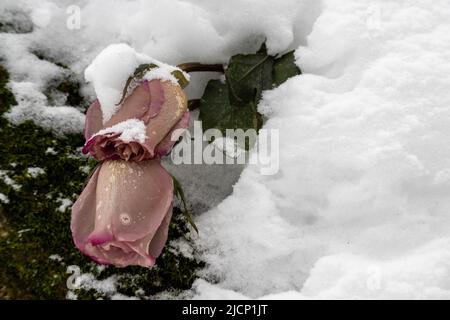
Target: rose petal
(157, 243)
(83, 213)
(93, 122)
(156, 101)
(174, 108)
(146, 99)
(153, 245)
(124, 210)
(165, 146)
(133, 198)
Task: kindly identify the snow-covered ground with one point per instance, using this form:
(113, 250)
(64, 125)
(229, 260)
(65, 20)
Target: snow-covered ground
(361, 205)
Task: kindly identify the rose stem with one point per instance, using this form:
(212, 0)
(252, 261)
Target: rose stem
(199, 67)
(193, 104)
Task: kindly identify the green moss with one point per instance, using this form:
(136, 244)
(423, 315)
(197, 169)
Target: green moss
(32, 227)
(67, 86)
(41, 55)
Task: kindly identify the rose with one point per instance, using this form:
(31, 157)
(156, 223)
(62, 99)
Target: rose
(123, 214)
(161, 107)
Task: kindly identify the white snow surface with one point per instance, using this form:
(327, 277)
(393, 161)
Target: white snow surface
(360, 206)
(32, 105)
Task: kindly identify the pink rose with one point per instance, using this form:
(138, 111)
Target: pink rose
(123, 214)
(160, 106)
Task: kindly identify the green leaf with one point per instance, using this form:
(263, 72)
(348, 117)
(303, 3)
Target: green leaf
(217, 112)
(232, 104)
(284, 68)
(182, 81)
(247, 76)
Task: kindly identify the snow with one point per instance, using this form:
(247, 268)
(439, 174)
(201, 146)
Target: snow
(359, 208)
(22, 231)
(32, 105)
(51, 151)
(161, 74)
(71, 295)
(42, 15)
(88, 281)
(8, 181)
(4, 198)
(110, 70)
(35, 171)
(108, 73)
(204, 291)
(183, 247)
(65, 204)
(130, 130)
(56, 257)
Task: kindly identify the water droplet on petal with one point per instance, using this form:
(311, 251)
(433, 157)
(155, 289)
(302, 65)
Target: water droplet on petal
(125, 219)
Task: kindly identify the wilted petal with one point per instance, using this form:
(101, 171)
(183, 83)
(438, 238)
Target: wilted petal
(153, 244)
(132, 198)
(169, 140)
(173, 110)
(157, 243)
(156, 101)
(124, 209)
(83, 212)
(160, 105)
(137, 104)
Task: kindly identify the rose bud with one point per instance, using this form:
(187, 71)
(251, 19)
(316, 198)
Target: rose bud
(142, 127)
(123, 214)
